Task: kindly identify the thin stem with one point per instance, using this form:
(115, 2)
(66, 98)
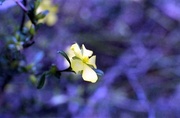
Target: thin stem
(29, 43)
(21, 5)
(25, 10)
(23, 17)
(66, 70)
(141, 94)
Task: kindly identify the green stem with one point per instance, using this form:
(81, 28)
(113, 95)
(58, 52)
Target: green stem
(67, 70)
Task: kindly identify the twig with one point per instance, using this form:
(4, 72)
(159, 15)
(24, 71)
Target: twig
(140, 94)
(21, 5)
(23, 17)
(25, 10)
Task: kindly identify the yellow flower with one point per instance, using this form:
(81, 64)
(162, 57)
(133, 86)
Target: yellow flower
(83, 61)
(51, 17)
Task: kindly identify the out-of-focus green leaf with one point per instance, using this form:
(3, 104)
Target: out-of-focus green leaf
(33, 79)
(65, 56)
(41, 81)
(54, 71)
(37, 3)
(32, 30)
(42, 15)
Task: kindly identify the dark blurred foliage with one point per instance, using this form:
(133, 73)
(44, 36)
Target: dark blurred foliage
(137, 44)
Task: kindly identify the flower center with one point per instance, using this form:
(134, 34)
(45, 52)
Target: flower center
(85, 59)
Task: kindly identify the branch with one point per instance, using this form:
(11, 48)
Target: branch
(23, 17)
(132, 78)
(21, 5)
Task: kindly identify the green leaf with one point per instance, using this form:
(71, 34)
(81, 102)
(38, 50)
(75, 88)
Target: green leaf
(41, 81)
(37, 3)
(53, 69)
(99, 72)
(65, 56)
(33, 79)
(42, 15)
(1, 2)
(32, 30)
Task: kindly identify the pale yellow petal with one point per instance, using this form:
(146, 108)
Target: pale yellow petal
(92, 61)
(89, 74)
(77, 65)
(41, 20)
(39, 10)
(54, 9)
(69, 52)
(77, 50)
(46, 3)
(51, 19)
(86, 52)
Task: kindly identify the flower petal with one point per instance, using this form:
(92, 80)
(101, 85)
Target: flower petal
(40, 9)
(77, 50)
(92, 61)
(86, 52)
(69, 52)
(51, 19)
(77, 65)
(89, 74)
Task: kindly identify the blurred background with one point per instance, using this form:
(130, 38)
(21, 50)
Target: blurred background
(137, 44)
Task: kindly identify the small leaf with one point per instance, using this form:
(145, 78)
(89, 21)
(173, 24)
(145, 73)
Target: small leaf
(17, 35)
(41, 81)
(42, 15)
(65, 56)
(33, 79)
(53, 69)
(99, 72)
(29, 67)
(37, 3)
(32, 30)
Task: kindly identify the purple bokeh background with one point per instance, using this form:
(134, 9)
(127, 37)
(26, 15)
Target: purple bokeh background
(137, 43)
